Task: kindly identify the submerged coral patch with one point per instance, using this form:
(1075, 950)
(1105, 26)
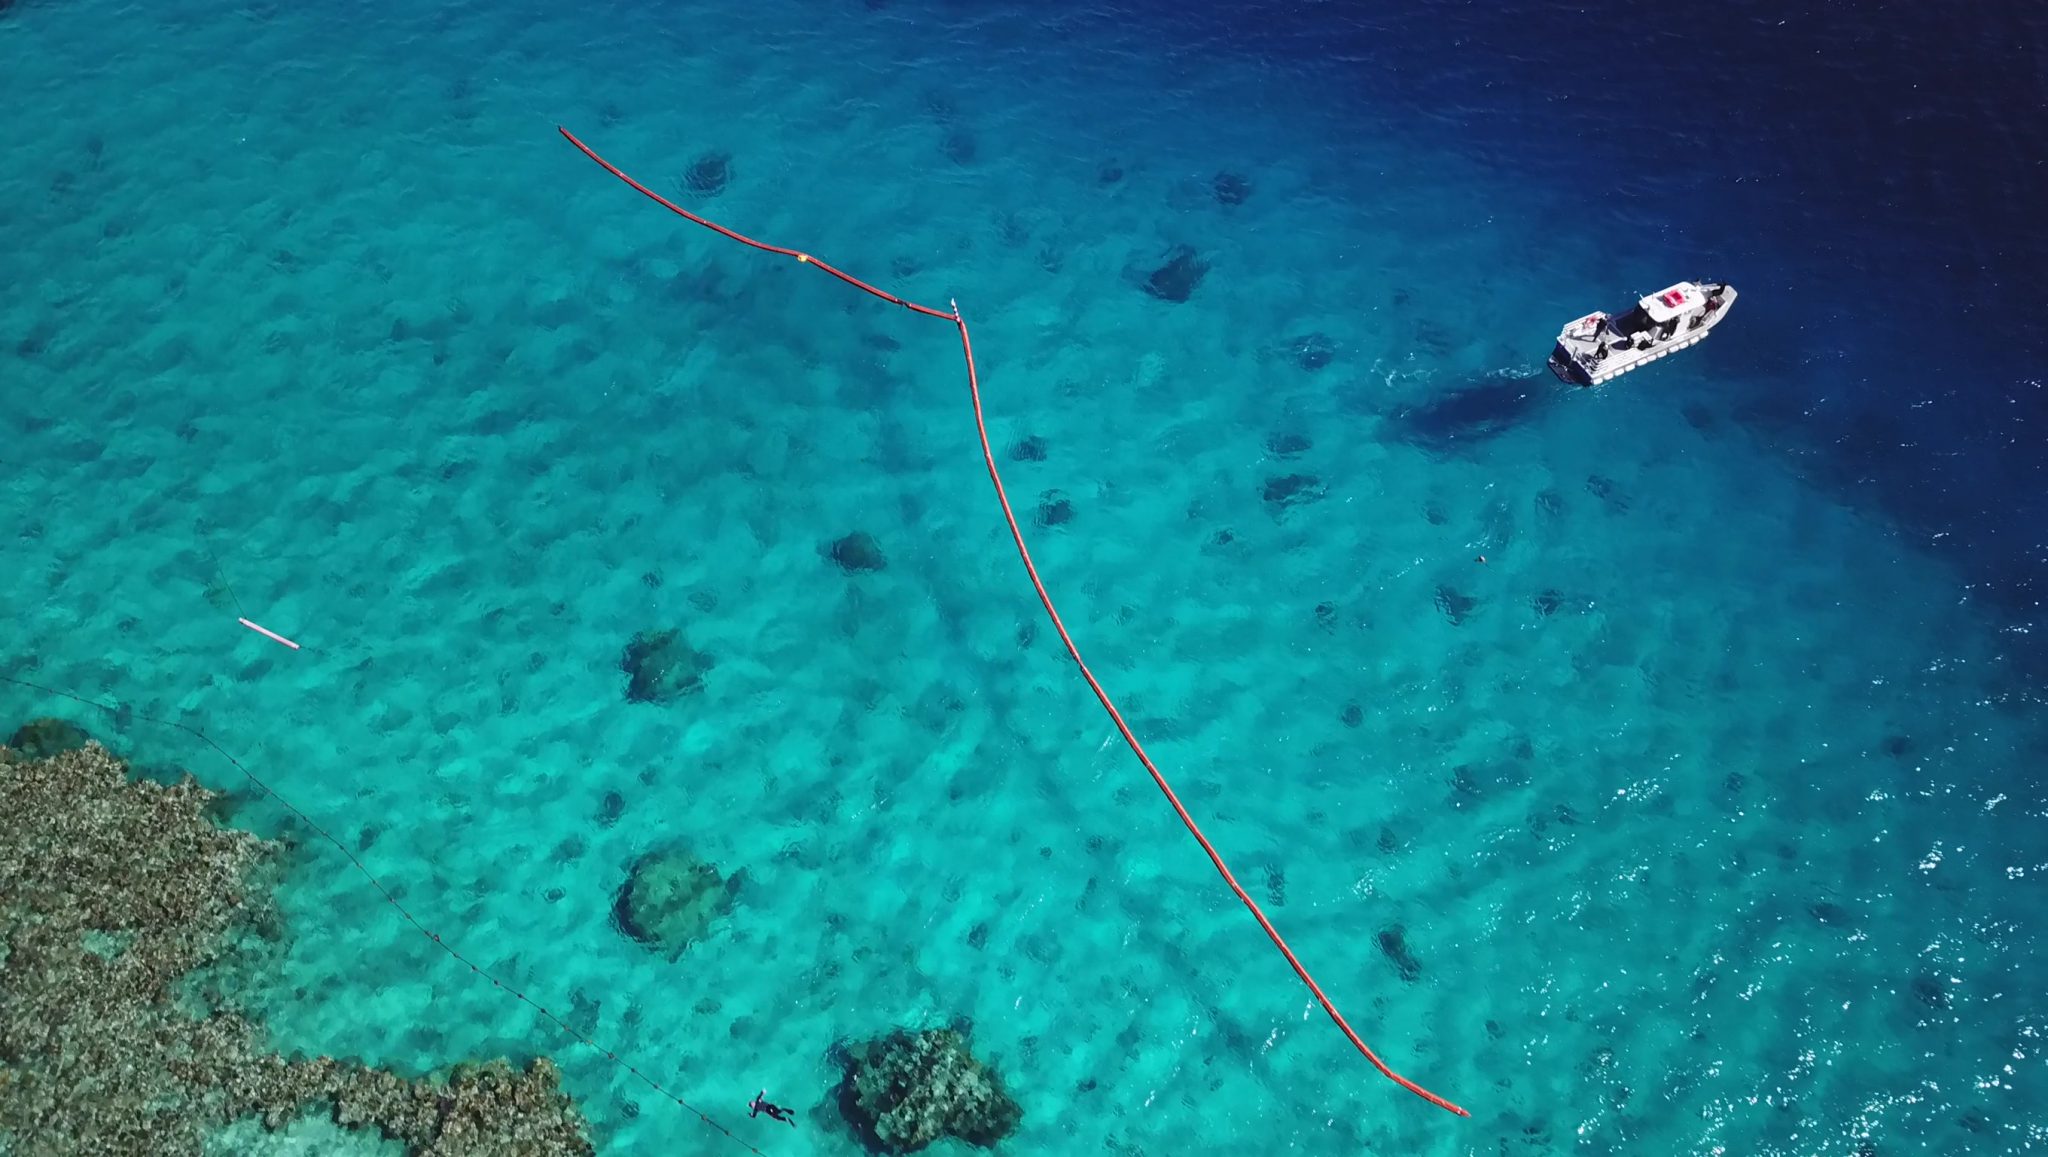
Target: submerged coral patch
(857, 553)
(671, 899)
(1029, 449)
(1054, 509)
(661, 668)
(42, 738)
(1177, 277)
(123, 898)
(907, 1090)
(1288, 444)
(1393, 944)
(1455, 605)
(1313, 351)
(708, 175)
(1292, 490)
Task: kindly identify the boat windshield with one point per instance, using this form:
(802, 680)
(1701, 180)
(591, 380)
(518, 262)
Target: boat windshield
(1633, 322)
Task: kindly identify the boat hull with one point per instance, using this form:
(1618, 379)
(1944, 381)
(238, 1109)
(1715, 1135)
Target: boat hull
(1570, 369)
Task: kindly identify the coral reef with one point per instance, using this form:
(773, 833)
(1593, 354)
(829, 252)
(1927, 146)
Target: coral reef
(120, 892)
(857, 552)
(661, 668)
(1231, 188)
(1605, 490)
(1313, 351)
(42, 738)
(1456, 605)
(1393, 944)
(670, 900)
(1054, 509)
(1292, 490)
(708, 175)
(906, 1090)
(1276, 886)
(1177, 277)
(1288, 444)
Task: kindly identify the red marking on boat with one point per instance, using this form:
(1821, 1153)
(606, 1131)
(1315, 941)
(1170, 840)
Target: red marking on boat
(267, 633)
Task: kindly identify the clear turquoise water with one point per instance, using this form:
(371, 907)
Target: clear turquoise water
(1737, 850)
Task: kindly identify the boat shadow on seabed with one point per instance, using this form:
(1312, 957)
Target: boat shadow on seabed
(1464, 417)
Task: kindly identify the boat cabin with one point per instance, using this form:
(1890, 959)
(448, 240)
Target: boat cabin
(1663, 312)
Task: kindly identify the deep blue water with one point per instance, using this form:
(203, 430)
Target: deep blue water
(1706, 815)
(1872, 173)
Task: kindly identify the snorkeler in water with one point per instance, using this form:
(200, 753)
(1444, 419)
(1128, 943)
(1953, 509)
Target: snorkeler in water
(761, 1104)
